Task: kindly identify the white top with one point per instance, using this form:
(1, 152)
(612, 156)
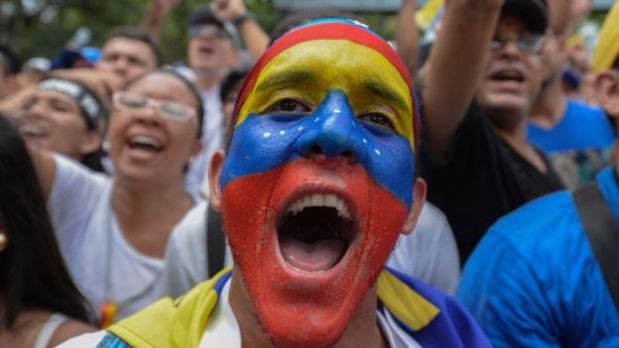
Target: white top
(222, 330)
(428, 254)
(101, 261)
(212, 140)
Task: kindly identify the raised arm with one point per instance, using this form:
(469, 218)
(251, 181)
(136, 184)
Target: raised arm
(406, 36)
(156, 16)
(234, 11)
(455, 67)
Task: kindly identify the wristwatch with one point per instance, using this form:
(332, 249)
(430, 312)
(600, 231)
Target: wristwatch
(243, 18)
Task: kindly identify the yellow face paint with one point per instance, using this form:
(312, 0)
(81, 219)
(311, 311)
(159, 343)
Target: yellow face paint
(308, 71)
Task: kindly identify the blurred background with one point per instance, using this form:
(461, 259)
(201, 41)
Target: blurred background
(36, 28)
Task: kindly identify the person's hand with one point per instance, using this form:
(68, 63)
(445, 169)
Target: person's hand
(228, 10)
(166, 5)
(101, 82)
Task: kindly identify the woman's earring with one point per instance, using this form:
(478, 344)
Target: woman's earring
(4, 241)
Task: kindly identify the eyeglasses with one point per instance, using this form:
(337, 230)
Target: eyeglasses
(525, 43)
(208, 30)
(170, 110)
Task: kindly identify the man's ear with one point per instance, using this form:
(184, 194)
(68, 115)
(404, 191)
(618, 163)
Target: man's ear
(419, 199)
(91, 141)
(214, 175)
(606, 87)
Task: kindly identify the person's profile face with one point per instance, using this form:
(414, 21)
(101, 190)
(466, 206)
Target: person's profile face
(317, 184)
(53, 121)
(514, 69)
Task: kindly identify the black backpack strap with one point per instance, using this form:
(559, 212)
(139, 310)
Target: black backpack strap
(603, 232)
(215, 242)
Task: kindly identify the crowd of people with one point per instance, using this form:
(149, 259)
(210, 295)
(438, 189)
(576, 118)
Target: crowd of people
(316, 187)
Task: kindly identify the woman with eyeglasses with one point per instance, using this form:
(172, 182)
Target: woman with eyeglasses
(113, 232)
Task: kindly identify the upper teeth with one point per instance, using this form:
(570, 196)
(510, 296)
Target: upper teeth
(321, 200)
(31, 130)
(145, 140)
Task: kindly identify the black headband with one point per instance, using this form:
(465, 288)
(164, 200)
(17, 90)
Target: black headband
(90, 105)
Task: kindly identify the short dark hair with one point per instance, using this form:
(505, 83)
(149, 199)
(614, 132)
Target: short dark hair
(137, 34)
(33, 274)
(230, 82)
(190, 85)
(8, 60)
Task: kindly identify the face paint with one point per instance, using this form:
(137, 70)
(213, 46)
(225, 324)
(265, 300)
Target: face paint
(318, 182)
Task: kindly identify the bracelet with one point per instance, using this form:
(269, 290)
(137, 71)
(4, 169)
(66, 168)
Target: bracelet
(243, 18)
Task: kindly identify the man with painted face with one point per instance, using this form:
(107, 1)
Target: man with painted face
(317, 184)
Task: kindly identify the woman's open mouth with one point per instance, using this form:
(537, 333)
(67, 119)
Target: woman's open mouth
(315, 232)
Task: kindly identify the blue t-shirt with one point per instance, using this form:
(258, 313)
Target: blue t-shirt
(534, 281)
(579, 145)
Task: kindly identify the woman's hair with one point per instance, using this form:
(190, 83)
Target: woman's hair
(32, 271)
(195, 92)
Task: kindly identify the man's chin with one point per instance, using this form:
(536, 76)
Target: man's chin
(301, 309)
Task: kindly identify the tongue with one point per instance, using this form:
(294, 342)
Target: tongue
(315, 257)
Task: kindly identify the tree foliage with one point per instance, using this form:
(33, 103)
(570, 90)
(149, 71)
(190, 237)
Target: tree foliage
(43, 27)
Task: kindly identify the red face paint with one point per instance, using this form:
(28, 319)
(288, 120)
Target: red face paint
(298, 307)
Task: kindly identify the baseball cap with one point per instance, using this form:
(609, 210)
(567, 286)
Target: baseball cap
(204, 16)
(533, 12)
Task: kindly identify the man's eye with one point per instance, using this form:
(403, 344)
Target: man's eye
(378, 119)
(289, 105)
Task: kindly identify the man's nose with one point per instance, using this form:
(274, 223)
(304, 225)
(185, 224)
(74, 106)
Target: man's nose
(335, 131)
(121, 64)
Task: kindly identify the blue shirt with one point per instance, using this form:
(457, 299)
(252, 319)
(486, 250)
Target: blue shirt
(582, 127)
(579, 146)
(534, 281)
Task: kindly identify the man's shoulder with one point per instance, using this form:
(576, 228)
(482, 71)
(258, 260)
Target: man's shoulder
(529, 219)
(430, 316)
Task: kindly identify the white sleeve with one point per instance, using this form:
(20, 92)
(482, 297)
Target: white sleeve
(86, 340)
(429, 253)
(73, 197)
(186, 254)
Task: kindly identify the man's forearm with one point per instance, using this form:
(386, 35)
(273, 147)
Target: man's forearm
(455, 67)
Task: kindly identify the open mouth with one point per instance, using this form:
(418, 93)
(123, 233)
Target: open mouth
(315, 232)
(31, 130)
(508, 75)
(206, 50)
(145, 143)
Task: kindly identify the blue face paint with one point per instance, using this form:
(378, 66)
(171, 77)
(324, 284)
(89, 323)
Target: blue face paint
(265, 142)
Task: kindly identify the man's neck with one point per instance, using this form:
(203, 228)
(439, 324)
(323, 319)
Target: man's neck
(207, 79)
(362, 330)
(516, 138)
(549, 109)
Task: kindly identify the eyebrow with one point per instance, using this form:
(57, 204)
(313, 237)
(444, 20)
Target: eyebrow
(299, 76)
(379, 88)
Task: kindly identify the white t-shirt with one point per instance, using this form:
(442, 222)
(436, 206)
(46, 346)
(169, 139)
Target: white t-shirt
(212, 140)
(101, 261)
(428, 254)
(222, 330)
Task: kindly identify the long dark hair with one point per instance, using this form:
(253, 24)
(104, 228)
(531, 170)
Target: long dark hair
(32, 271)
